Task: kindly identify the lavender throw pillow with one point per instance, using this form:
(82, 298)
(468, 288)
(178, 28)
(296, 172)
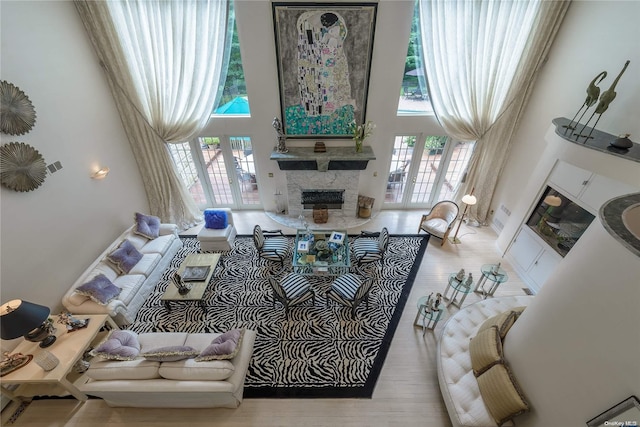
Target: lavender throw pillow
(225, 346)
(121, 345)
(99, 289)
(171, 353)
(215, 219)
(125, 257)
(147, 225)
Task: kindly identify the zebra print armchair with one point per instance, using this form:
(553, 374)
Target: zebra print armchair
(350, 290)
(271, 245)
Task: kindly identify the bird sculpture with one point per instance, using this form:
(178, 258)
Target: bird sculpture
(593, 92)
(606, 98)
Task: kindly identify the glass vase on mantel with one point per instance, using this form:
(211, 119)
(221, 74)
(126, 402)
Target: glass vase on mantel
(359, 143)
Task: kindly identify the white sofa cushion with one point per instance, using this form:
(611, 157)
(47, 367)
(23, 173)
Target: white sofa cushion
(190, 370)
(137, 369)
(158, 245)
(129, 283)
(146, 265)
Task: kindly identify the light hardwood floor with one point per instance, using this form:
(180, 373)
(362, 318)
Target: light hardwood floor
(407, 392)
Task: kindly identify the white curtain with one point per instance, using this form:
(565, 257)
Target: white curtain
(164, 61)
(481, 60)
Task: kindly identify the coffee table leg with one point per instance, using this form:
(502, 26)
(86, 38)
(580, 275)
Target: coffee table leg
(203, 305)
(167, 305)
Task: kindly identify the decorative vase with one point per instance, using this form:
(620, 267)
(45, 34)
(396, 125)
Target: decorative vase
(359, 145)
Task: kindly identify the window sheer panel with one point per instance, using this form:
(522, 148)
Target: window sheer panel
(175, 51)
(484, 59)
(476, 48)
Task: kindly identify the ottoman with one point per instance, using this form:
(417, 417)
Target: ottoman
(218, 240)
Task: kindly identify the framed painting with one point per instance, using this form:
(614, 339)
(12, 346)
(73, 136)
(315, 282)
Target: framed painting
(324, 55)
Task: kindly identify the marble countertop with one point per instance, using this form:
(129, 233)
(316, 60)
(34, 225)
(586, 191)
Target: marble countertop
(611, 215)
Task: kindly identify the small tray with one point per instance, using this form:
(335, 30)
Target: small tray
(10, 368)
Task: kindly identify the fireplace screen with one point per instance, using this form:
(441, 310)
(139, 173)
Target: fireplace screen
(331, 199)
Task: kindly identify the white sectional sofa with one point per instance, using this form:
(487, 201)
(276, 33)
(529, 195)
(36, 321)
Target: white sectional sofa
(185, 383)
(458, 384)
(136, 286)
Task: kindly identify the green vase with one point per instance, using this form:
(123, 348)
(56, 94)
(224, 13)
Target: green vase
(359, 145)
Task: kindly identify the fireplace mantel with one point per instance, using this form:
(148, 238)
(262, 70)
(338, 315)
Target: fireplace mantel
(335, 158)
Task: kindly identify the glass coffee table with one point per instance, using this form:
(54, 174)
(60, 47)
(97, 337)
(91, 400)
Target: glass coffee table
(321, 252)
(198, 287)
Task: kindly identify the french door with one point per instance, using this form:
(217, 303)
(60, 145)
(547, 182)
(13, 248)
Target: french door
(424, 170)
(219, 171)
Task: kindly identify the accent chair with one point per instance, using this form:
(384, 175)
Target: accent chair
(440, 220)
(350, 290)
(370, 247)
(271, 245)
(291, 290)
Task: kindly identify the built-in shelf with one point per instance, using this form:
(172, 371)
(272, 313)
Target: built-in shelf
(600, 141)
(335, 158)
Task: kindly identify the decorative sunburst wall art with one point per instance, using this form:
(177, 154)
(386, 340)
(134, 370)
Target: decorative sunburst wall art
(22, 167)
(17, 115)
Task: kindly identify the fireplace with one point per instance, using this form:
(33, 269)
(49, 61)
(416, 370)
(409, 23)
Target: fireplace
(330, 199)
(336, 188)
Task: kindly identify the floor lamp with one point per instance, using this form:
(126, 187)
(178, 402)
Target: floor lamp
(468, 200)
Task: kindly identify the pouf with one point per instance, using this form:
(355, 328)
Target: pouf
(218, 240)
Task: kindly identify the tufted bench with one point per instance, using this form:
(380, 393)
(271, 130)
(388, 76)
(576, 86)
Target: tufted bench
(458, 384)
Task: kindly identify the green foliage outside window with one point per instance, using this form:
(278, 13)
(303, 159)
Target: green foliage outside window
(234, 85)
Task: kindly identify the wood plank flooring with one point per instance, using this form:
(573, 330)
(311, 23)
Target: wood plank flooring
(407, 392)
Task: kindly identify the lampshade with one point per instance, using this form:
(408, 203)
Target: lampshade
(21, 318)
(469, 199)
(552, 200)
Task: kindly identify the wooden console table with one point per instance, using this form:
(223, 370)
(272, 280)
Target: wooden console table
(69, 348)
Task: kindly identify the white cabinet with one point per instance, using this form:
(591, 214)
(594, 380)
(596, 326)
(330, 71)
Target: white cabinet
(533, 258)
(589, 188)
(569, 178)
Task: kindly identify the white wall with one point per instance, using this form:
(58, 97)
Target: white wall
(595, 36)
(574, 350)
(50, 235)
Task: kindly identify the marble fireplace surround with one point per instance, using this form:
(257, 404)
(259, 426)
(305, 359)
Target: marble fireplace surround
(346, 180)
(336, 169)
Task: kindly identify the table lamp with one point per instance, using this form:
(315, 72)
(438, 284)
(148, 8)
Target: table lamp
(21, 318)
(468, 200)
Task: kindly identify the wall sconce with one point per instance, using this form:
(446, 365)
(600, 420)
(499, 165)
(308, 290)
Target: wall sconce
(468, 200)
(101, 173)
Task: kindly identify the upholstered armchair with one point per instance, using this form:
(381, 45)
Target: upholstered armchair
(271, 245)
(370, 247)
(440, 220)
(350, 290)
(291, 290)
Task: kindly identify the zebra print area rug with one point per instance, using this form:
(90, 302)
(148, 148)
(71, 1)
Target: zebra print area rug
(317, 351)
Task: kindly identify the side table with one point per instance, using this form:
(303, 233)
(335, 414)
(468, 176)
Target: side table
(428, 319)
(458, 287)
(494, 274)
(69, 347)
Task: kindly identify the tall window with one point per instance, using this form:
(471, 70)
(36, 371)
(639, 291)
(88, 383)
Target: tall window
(234, 100)
(414, 97)
(219, 170)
